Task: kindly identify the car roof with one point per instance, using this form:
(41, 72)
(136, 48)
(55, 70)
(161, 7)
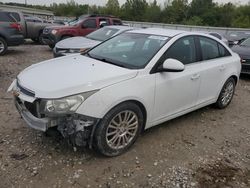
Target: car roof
(159, 31)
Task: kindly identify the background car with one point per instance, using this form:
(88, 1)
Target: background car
(10, 32)
(81, 26)
(243, 49)
(219, 36)
(80, 44)
(236, 37)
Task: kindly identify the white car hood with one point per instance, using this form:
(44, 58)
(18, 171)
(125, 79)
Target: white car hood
(71, 75)
(77, 43)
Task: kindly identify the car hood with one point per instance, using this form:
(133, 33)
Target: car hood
(241, 50)
(77, 43)
(71, 75)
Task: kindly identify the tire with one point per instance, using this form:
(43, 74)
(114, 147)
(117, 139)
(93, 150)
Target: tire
(40, 39)
(34, 39)
(3, 46)
(51, 46)
(226, 94)
(123, 124)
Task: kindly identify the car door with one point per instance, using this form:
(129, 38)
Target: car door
(88, 26)
(176, 92)
(215, 58)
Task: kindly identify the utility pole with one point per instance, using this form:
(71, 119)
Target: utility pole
(25, 2)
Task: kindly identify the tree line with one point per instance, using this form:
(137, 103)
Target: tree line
(196, 12)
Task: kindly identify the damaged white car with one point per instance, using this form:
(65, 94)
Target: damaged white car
(141, 78)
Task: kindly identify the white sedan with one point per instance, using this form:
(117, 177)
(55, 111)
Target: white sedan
(106, 97)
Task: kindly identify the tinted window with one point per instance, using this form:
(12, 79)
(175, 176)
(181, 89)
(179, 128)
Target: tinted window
(117, 22)
(223, 51)
(4, 17)
(183, 50)
(15, 16)
(89, 23)
(209, 48)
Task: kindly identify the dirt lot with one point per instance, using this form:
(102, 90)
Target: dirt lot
(208, 148)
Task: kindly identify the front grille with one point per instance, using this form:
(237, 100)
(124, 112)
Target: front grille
(33, 108)
(45, 31)
(25, 90)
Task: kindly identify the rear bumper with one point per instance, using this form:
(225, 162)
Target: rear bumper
(14, 40)
(245, 68)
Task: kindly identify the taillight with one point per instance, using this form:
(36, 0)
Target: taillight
(16, 26)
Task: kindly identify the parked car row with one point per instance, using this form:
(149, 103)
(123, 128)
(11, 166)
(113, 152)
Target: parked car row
(107, 95)
(79, 27)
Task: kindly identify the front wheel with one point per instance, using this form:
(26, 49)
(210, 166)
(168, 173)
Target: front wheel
(119, 129)
(3, 46)
(226, 94)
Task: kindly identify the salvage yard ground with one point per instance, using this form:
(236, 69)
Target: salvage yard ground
(208, 148)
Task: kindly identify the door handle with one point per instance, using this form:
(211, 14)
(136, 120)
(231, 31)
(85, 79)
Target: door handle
(222, 68)
(195, 77)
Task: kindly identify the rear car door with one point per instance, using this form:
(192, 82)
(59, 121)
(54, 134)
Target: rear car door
(215, 59)
(176, 92)
(88, 26)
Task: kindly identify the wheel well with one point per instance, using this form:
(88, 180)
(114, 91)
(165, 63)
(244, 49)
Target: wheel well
(2, 37)
(235, 79)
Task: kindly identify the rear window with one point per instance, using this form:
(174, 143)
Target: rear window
(4, 17)
(15, 16)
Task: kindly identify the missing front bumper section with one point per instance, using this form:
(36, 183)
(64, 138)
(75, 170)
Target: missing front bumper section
(79, 129)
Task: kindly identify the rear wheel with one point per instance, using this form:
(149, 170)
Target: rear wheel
(3, 46)
(226, 94)
(119, 129)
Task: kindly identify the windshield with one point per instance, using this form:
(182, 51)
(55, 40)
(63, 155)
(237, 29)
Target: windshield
(246, 42)
(129, 50)
(102, 34)
(74, 22)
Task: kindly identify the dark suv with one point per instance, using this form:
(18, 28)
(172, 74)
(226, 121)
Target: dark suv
(82, 26)
(10, 32)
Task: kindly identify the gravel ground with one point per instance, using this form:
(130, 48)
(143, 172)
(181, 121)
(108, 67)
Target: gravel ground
(208, 148)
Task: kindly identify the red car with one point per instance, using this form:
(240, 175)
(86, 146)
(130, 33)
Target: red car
(80, 27)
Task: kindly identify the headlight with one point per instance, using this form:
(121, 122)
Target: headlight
(65, 105)
(54, 31)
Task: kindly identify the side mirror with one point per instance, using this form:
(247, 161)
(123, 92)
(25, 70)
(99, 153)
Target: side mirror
(172, 65)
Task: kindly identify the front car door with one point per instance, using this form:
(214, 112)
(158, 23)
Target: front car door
(177, 92)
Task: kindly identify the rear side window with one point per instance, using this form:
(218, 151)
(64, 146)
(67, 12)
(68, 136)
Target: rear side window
(91, 23)
(183, 50)
(117, 22)
(223, 51)
(209, 48)
(4, 17)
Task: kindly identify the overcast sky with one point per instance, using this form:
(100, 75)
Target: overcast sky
(103, 2)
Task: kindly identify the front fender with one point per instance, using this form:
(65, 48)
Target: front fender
(140, 88)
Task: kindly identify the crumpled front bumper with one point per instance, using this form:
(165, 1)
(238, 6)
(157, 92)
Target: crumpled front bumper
(41, 124)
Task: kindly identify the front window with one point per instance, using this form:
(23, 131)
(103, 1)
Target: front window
(102, 34)
(129, 50)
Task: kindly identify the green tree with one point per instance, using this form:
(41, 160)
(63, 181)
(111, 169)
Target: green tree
(112, 7)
